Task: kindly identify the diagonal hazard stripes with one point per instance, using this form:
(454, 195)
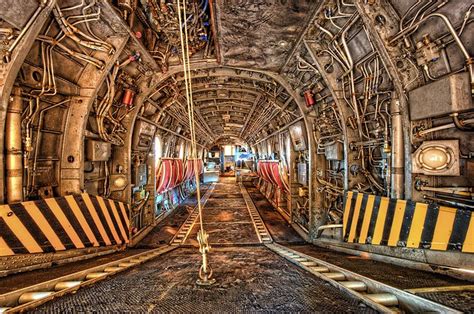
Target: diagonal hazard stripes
(370, 219)
(57, 224)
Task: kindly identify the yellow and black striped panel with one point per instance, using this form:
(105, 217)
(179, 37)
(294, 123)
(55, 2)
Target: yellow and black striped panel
(370, 219)
(62, 223)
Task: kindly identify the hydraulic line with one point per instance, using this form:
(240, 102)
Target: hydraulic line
(397, 162)
(13, 148)
(30, 22)
(443, 127)
(405, 32)
(461, 125)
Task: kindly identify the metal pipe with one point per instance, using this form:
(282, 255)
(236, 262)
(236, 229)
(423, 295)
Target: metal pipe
(454, 197)
(138, 206)
(448, 202)
(457, 190)
(443, 127)
(461, 125)
(397, 154)
(434, 129)
(14, 166)
(451, 29)
(445, 58)
(30, 22)
(324, 227)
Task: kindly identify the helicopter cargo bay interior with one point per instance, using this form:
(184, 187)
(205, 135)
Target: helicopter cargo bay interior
(219, 156)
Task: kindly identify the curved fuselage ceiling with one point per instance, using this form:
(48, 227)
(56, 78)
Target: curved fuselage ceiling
(380, 91)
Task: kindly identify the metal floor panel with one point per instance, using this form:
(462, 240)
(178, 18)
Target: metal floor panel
(248, 280)
(226, 220)
(463, 301)
(226, 233)
(225, 195)
(225, 215)
(226, 203)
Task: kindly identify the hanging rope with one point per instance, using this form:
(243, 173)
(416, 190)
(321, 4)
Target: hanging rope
(205, 272)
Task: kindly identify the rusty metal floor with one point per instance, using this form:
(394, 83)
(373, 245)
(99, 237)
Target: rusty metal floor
(161, 235)
(249, 279)
(226, 217)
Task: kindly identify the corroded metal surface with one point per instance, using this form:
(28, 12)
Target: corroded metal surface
(261, 33)
(193, 218)
(228, 214)
(31, 297)
(226, 195)
(231, 202)
(354, 61)
(235, 233)
(248, 279)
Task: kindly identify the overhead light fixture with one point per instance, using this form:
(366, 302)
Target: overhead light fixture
(283, 43)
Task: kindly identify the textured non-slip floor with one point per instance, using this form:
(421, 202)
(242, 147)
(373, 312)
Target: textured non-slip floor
(397, 276)
(226, 219)
(236, 233)
(226, 195)
(229, 202)
(248, 280)
(462, 301)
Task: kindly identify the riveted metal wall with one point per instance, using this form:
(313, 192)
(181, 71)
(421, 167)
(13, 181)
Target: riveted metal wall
(62, 223)
(371, 219)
